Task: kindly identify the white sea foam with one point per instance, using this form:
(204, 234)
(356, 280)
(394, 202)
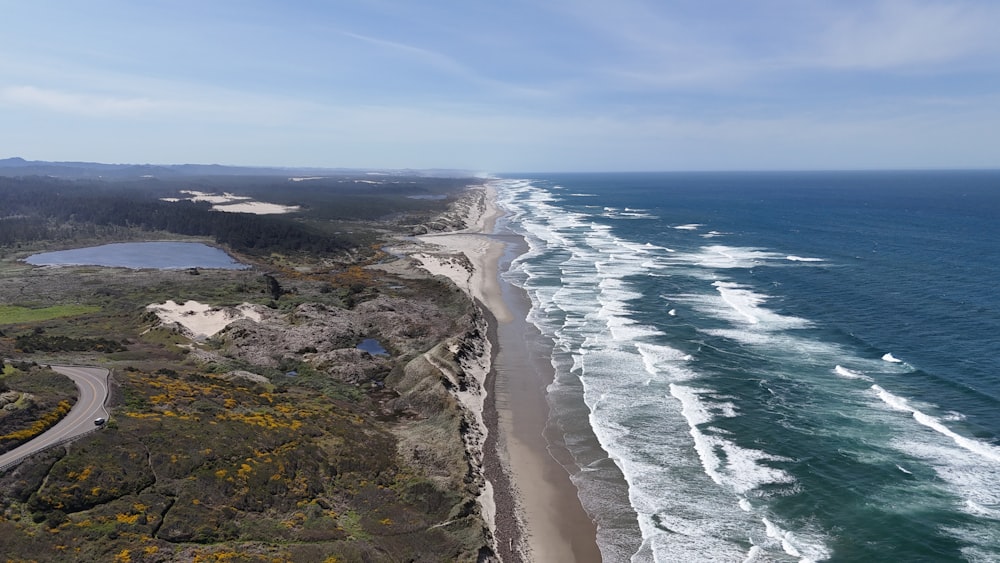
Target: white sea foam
(742, 300)
(890, 358)
(737, 468)
(805, 548)
(977, 509)
(742, 306)
(725, 257)
(720, 256)
(666, 362)
(850, 374)
(977, 447)
(578, 278)
(636, 215)
(793, 258)
(969, 467)
(689, 227)
(753, 554)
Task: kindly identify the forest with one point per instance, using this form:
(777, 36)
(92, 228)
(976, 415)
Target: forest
(331, 216)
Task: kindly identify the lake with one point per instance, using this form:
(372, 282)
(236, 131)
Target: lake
(158, 255)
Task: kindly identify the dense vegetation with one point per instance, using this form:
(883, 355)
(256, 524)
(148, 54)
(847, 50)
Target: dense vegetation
(38, 341)
(32, 399)
(198, 463)
(43, 208)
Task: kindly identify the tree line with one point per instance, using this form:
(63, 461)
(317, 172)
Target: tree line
(41, 208)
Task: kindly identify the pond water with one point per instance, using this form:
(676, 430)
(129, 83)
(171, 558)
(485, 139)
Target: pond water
(159, 255)
(373, 347)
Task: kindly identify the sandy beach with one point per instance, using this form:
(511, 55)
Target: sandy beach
(538, 513)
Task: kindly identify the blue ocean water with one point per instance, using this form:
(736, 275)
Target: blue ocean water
(781, 366)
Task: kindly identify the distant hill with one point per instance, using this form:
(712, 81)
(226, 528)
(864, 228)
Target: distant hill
(18, 166)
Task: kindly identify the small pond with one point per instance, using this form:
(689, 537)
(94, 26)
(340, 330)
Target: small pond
(373, 347)
(159, 255)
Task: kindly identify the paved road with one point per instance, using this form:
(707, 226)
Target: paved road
(93, 386)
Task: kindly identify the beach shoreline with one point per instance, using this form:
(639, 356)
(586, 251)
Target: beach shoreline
(535, 509)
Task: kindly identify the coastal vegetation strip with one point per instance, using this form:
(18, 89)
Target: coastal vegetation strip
(48, 420)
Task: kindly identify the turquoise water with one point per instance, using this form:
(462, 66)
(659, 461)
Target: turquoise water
(782, 367)
(158, 255)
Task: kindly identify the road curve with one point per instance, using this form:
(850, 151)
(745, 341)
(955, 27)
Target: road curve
(93, 386)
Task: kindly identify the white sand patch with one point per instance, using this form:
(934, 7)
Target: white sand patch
(446, 265)
(256, 207)
(214, 198)
(483, 253)
(232, 203)
(200, 320)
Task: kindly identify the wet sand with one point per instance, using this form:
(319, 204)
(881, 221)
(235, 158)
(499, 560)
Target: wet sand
(555, 526)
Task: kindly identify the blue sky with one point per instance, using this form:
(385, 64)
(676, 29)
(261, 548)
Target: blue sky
(503, 86)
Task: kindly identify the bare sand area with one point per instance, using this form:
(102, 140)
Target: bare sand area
(231, 203)
(539, 516)
(201, 321)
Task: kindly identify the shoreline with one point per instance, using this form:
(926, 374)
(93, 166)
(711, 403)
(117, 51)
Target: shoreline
(536, 509)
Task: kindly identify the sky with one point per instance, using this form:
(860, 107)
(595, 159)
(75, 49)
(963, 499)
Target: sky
(505, 85)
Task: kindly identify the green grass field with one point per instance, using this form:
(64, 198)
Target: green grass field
(12, 314)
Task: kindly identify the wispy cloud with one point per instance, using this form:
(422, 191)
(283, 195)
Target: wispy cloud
(449, 65)
(900, 34)
(426, 56)
(652, 45)
(76, 103)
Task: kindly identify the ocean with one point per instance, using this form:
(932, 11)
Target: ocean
(772, 366)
